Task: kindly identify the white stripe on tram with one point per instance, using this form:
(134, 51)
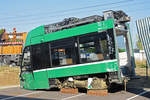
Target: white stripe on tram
(75, 65)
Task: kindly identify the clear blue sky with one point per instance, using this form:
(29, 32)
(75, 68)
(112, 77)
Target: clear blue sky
(25, 15)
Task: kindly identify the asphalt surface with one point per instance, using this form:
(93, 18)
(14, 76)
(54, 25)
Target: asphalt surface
(15, 93)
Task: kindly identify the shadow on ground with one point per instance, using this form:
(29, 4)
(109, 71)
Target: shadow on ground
(139, 85)
(140, 82)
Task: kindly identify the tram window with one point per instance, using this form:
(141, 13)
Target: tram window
(26, 64)
(89, 51)
(40, 56)
(45, 55)
(111, 44)
(63, 53)
(36, 54)
(95, 47)
(104, 46)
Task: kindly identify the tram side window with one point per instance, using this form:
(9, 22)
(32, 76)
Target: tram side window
(95, 47)
(63, 53)
(90, 49)
(40, 56)
(45, 55)
(26, 64)
(111, 44)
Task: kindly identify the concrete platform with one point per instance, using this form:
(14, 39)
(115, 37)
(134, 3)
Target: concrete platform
(97, 92)
(69, 90)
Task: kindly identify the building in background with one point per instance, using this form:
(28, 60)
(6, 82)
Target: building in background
(11, 47)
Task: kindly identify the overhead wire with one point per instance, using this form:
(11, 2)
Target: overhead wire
(32, 22)
(61, 15)
(37, 21)
(69, 10)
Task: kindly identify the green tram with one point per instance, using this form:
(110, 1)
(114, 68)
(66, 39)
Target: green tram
(75, 53)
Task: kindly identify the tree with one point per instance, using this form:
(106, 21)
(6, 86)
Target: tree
(121, 50)
(139, 44)
(2, 31)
